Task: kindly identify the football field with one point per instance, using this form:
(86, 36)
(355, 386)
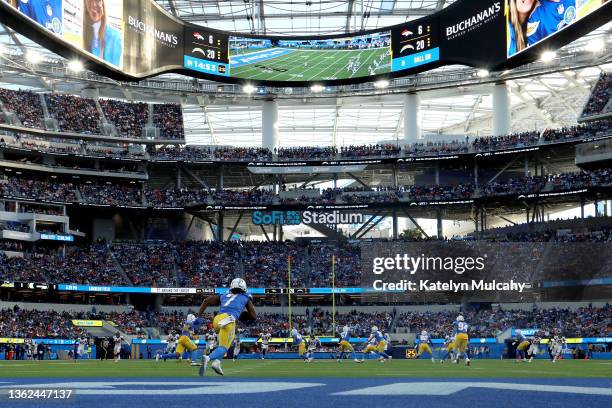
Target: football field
(318, 368)
(277, 64)
(323, 383)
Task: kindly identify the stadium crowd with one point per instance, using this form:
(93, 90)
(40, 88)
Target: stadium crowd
(129, 118)
(588, 321)
(582, 322)
(108, 193)
(76, 114)
(26, 106)
(168, 118)
(600, 96)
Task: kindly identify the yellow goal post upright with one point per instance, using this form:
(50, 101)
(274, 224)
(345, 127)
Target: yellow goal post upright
(333, 282)
(289, 292)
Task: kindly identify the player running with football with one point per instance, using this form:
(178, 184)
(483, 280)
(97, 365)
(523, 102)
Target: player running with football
(235, 304)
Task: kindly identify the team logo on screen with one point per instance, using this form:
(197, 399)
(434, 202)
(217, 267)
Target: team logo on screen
(198, 36)
(570, 15)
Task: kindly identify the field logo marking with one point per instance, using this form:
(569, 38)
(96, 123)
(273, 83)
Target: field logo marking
(448, 388)
(177, 388)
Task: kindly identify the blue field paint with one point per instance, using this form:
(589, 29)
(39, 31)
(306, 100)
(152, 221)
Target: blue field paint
(213, 391)
(259, 56)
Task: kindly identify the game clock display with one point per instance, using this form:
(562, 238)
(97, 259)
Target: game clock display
(415, 44)
(206, 51)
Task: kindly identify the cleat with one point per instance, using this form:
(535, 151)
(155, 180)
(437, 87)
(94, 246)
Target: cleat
(358, 360)
(216, 366)
(202, 370)
(467, 361)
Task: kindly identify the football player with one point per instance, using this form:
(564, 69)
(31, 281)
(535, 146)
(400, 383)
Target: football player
(299, 342)
(117, 342)
(521, 344)
(534, 347)
(236, 350)
(376, 343)
(425, 345)
(265, 340)
(185, 341)
(211, 341)
(448, 349)
(314, 344)
(345, 346)
(460, 329)
(557, 344)
(235, 304)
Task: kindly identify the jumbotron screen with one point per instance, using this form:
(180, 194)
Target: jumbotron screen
(137, 38)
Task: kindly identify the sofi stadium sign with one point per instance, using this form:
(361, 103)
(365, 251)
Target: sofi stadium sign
(305, 217)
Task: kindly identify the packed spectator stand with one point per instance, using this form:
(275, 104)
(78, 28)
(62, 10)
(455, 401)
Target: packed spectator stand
(599, 100)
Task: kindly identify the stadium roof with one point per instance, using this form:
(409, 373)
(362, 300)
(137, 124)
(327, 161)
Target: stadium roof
(283, 17)
(543, 100)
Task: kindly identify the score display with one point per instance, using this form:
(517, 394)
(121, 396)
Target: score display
(206, 51)
(415, 44)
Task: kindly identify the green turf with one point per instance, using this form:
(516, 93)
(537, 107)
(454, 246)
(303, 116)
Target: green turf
(321, 65)
(320, 368)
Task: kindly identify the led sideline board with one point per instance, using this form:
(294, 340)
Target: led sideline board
(135, 39)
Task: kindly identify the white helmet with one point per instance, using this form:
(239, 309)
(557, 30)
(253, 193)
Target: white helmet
(374, 329)
(294, 332)
(518, 332)
(460, 318)
(345, 329)
(239, 283)
(424, 332)
(190, 318)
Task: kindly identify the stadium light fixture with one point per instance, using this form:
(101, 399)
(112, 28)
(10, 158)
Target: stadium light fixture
(548, 56)
(381, 84)
(317, 88)
(482, 73)
(248, 89)
(33, 57)
(75, 66)
(596, 45)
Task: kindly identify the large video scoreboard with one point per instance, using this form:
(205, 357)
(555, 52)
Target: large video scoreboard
(134, 39)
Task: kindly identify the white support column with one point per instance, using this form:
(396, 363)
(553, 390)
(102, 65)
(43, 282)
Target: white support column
(269, 125)
(412, 126)
(501, 110)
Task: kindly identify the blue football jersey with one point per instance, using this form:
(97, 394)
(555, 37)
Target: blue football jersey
(47, 13)
(233, 303)
(460, 327)
(548, 17)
